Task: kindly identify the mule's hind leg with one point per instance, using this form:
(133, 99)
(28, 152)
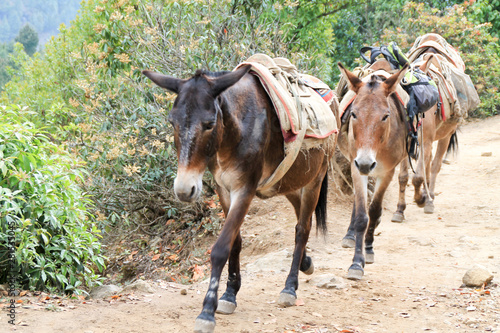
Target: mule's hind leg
(308, 201)
(306, 265)
(435, 168)
(349, 239)
(399, 215)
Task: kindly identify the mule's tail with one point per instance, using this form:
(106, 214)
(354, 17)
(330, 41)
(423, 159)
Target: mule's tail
(453, 145)
(320, 209)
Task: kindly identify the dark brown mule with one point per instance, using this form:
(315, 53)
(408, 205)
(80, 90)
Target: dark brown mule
(375, 143)
(226, 122)
(434, 129)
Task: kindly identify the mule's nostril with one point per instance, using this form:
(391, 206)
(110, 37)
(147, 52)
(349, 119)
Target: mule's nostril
(356, 164)
(374, 164)
(193, 189)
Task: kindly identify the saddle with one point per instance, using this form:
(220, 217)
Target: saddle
(457, 92)
(292, 93)
(302, 103)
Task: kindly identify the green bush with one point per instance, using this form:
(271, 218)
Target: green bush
(56, 242)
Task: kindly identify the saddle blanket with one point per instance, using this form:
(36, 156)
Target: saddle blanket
(292, 93)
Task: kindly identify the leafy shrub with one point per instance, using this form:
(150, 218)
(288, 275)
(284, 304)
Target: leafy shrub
(478, 49)
(88, 88)
(56, 242)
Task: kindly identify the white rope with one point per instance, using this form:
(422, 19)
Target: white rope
(423, 159)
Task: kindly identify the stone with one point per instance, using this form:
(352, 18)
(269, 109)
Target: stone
(328, 281)
(477, 276)
(422, 241)
(487, 153)
(139, 286)
(105, 291)
(273, 262)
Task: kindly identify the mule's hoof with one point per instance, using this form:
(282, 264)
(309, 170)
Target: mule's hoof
(204, 326)
(225, 307)
(429, 208)
(398, 217)
(287, 300)
(348, 243)
(355, 274)
(369, 258)
(310, 270)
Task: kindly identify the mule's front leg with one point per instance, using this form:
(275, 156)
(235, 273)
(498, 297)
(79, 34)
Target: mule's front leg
(375, 212)
(359, 224)
(399, 215)
(424, 162)
(435, 168)
(205, 322)
(227, 303)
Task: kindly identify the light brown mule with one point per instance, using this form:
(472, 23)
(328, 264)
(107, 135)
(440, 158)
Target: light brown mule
(375, 143)
(434, 129)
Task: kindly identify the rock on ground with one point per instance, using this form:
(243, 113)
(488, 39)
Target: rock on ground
(139, 285)
(273, 262)
(105, 291)
(477, 276)
(328, 281)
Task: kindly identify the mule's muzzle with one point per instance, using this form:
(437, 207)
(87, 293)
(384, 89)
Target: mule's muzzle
(187, 186)
(365, 165)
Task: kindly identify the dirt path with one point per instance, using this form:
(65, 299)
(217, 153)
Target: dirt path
(414, 285)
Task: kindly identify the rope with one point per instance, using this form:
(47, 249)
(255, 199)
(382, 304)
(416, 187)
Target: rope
(423, 161)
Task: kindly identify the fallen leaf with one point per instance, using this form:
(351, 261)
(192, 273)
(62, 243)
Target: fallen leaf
(198, 272)
(156, 257)
(22, 293)
(19, 301)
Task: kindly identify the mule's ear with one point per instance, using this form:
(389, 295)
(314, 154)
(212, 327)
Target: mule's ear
(170, 83)
(354, 82)
(225, 81)
(391, 84)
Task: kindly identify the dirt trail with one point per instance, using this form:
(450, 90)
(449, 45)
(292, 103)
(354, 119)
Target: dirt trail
(414, 285)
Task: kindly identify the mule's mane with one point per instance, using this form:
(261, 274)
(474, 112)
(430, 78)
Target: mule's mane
(204, 72)
(374, 82)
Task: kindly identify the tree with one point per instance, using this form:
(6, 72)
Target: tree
(29, 38)
(477, 47)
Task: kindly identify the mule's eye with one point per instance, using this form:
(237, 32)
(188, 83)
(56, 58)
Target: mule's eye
(208, 126)
(385, 117)
(353, 115)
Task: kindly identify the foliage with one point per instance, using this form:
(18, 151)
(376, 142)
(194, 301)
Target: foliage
(487, 11)
(478, 48)
(363, 24)
(89, 90)
(44, 15)
(56, 243)
(6, 49)
(29, 38)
